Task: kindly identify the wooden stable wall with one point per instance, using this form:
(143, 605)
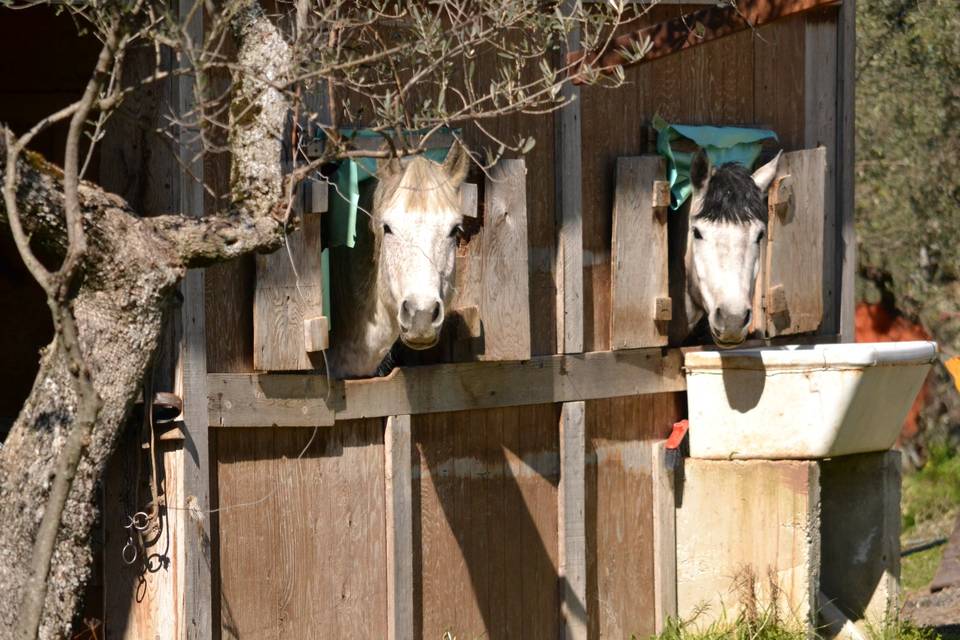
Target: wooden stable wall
(503, 521)
(304, 539)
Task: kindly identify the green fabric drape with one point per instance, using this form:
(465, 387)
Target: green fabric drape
(722, 144)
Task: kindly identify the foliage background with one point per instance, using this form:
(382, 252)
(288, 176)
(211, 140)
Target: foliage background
(908, 179)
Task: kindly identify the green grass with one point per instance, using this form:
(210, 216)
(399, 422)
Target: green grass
(931, 503)
(769, 629)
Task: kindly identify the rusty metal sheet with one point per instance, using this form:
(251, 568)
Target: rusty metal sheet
(688, 31)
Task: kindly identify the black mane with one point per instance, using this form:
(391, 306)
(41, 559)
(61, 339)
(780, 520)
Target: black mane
(733, 197)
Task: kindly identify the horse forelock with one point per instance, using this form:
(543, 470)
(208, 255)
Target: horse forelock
(422, 185)
(732, 197)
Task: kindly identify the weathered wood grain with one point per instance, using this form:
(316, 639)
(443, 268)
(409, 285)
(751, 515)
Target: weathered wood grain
(142, 605)
(196, 597)
(572, 517)
(505, 297)
(485, 533)
(287, 295)
(639, 272)
(291, 501)
(664, 538)
(250, 400)
(569, 201)
(399, 505)
(793, 280)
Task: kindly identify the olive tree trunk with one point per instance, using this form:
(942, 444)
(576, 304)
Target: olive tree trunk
(128, 278)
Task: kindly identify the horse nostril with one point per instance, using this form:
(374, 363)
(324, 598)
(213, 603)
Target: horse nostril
(747, 316)
(435, 317)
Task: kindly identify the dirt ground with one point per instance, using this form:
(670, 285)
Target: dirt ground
(940, 611)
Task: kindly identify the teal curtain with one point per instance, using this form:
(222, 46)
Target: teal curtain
(722, 144)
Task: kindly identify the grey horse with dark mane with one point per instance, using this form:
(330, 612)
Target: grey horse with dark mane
(726, 224)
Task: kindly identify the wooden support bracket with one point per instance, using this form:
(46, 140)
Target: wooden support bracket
(663, 311)
(469, 326)
(780, 198)
(316, 334)
(661, 194)
(776, 300)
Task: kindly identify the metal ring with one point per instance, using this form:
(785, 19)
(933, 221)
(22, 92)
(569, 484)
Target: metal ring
(124, 554)
(139, 517)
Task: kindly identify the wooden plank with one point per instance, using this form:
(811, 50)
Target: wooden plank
(291, 501)
(282, 305)
(794, 255)
(249, 567)
(141, 603)
(664, 539)
(569, 202)
(620, 547)
(640, 277)
(821, 129)
(249, 400)
(505, 297)
(399, 504)
(196, 605)
(764, 525)
(487, 523)
(572, 524)
(847, 249)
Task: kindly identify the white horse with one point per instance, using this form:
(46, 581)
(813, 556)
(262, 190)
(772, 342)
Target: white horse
(727, 222)
(398, 279)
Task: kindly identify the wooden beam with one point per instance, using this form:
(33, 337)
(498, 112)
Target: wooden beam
(569, 186)
(687, 31)
(572, 520)
(399, 503)
(847, 249)
(304, 400)
(664, 538)
(196, 602)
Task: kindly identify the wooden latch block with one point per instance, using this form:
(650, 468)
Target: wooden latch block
(781, 195)
(469, 323)
(316, 334)
(776, 300)
(663, 311)
(661, 194)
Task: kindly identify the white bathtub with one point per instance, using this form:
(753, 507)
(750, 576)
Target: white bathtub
(804, 402)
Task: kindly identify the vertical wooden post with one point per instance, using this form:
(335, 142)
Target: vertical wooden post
(399, 502)
(847, 249)
(196, 605)
(569, 212)
(664, 539)
(571, 516)
(573, 438)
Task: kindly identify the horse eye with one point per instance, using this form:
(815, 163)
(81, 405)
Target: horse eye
(387, 230)
(456, 231)
(697, 234)
(761, 236)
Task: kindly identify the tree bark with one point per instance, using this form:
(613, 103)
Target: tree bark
(128, 277)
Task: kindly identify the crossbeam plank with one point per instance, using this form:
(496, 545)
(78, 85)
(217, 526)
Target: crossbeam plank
(306, 400)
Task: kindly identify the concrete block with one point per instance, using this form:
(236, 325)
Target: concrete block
(748, 537)
(860, 543)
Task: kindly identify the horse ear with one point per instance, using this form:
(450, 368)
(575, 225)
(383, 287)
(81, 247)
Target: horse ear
(457, 164)
(700, 170)
(765, 174)
(387, 167)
